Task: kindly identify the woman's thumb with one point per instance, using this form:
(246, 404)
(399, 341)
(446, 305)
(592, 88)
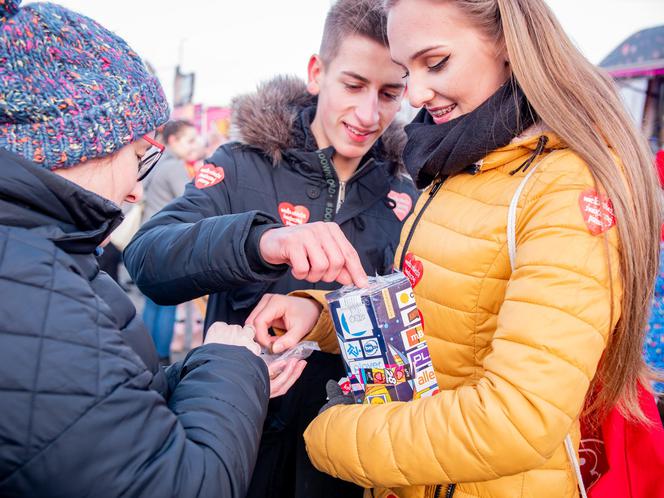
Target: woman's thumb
(286, 341)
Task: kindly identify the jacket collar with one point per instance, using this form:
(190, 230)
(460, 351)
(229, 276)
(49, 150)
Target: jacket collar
(31, 197)
(372, 185)
(521, 148)
(371, 178)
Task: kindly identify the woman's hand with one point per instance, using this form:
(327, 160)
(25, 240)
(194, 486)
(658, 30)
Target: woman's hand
(283, 374)
(232, 335)
(296, 315)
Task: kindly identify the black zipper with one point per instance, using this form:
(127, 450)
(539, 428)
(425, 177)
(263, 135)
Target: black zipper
(432, 193)
(451, 488)
(434, 190)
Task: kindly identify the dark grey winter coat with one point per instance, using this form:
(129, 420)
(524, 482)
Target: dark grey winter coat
(85, 409)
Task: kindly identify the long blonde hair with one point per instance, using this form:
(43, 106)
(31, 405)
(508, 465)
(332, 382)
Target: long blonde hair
(580, 103)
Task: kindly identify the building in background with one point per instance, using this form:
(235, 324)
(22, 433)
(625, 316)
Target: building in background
(183, 87)
(637, 65)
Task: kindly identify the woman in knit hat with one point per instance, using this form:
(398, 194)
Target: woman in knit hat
(86, 409)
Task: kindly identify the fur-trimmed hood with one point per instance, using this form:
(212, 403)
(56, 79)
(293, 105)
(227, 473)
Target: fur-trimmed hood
(265, 119)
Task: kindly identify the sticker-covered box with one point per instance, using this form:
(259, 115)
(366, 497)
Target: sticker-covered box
(381, 338)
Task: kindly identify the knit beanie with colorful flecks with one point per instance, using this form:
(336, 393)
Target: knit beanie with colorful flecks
(70, 90)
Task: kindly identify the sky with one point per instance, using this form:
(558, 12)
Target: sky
(234, 45)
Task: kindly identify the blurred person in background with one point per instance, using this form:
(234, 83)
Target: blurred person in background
(322, 159)
(86, 408)
(160, 188)
(167, 183)
(214, 140)
(654, 347)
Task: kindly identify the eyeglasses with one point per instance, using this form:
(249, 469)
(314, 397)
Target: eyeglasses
(150, 158)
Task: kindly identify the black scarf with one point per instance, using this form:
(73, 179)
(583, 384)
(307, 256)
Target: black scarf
(447, 149)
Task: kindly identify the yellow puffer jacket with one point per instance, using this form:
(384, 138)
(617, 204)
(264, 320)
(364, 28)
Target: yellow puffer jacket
(514, 352)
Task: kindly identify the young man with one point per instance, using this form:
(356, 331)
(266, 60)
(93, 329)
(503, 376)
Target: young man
(305, 155)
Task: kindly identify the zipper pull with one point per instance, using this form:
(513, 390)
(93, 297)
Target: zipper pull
(478, 166)
(436, 187)
(341, 197)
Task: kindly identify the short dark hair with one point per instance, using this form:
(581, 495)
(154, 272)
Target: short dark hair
(352, 17)
(174, 127)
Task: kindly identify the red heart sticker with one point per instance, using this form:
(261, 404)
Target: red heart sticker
(413, 269)
(403, 204)
(293, 215)
(597, 211)
(209, 175)
(344, 384)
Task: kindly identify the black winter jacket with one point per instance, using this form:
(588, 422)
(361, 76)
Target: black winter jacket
(85, 408)
(206, 241)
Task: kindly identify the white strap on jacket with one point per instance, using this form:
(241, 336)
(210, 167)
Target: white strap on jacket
(511, 248)
(511, 217)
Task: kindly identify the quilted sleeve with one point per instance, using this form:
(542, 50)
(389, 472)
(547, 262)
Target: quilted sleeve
(80, 418)
(552, 329)
(197, 245)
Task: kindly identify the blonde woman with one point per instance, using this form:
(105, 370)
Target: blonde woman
(503, 92)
